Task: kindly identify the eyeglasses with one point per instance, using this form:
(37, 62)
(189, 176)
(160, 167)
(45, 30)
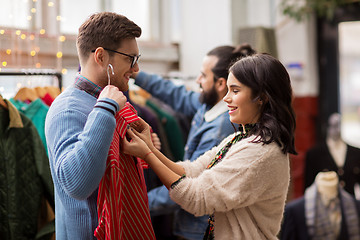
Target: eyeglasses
(134, 59)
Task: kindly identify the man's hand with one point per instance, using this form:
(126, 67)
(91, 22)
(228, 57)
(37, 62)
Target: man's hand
(115, 94)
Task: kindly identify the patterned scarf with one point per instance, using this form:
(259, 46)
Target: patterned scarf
(243, 133)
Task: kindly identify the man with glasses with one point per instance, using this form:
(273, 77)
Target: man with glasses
(80, 123)
(210, 125)
(133, 58)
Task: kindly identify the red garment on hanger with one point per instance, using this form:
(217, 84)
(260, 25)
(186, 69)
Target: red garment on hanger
(47, 99)
(123, 208)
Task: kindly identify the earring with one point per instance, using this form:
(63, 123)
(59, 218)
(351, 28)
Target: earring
(112, 72)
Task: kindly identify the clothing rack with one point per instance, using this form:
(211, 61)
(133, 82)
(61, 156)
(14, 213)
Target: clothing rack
(24, 73)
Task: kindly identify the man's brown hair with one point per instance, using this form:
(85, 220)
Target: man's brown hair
(105, 29)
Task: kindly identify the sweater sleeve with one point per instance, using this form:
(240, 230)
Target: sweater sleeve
(178, 97)
(249, 172)
(79, 145)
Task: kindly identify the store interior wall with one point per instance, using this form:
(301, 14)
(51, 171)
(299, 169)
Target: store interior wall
(178, 42)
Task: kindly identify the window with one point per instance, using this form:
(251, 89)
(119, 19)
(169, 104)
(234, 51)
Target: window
(349, 38)
(73, 14)
(15, 14)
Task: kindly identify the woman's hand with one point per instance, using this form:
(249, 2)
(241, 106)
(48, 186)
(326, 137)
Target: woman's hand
(142, 130)
(156, 141)
(135, 146)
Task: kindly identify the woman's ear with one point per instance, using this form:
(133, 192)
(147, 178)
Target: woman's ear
(262, 99)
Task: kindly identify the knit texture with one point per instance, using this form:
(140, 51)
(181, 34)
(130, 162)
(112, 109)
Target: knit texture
(246, 191)
(78, 137)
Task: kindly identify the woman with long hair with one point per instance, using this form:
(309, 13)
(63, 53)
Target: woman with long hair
(243, 182)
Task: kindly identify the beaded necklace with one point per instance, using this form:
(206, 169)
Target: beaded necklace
(209, 234)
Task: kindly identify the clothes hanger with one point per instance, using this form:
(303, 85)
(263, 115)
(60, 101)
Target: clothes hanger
(26, 93)
(3, 103)
(41, 92)
(108, 74)
(53, 91)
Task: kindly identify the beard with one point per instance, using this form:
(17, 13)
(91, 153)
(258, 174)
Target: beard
(209, 97)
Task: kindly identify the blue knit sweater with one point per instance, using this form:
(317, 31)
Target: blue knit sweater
(78, 137)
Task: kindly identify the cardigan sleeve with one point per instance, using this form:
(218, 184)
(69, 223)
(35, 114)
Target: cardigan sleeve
(195, 168)
(250, 172)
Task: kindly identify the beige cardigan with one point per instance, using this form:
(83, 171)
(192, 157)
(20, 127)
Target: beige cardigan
(246, 191)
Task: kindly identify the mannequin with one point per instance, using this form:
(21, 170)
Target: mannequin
(333, 154)
(337, 147)
(327, 187)
(325, 211)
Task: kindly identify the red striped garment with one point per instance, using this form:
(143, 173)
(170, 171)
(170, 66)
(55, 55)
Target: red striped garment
(122, 199)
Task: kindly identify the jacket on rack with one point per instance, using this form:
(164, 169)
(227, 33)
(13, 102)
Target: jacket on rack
(24, 177)
(36, 111)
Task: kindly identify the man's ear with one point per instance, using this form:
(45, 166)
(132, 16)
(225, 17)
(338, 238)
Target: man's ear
(100, 56)
(221, 84)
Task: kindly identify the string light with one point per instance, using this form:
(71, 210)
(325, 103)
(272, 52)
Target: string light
(34, 50)
(62, 38)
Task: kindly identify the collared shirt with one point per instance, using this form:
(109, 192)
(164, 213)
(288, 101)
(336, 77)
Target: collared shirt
(216, 111)
(88, 86)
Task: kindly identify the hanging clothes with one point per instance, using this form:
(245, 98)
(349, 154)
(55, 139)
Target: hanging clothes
(25, 177)
(172, 129)
(36, 111)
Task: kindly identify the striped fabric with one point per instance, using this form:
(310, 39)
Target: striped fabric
(122, 199)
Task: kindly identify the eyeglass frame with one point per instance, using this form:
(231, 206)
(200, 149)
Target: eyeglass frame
(135, 58)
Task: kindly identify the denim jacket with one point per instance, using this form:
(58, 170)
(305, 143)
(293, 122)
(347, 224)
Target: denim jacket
(209, 127)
